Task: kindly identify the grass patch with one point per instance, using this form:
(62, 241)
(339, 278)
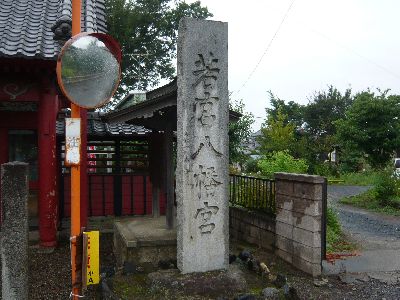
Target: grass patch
(361, 178)
(335, 239)
(368, 200)
(131, 286)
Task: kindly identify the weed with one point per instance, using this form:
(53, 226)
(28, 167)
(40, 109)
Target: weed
(335, 240)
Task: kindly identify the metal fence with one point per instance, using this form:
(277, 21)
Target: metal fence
(253, 193)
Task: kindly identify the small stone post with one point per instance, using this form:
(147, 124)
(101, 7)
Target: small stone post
(14, 230)
(202, 160)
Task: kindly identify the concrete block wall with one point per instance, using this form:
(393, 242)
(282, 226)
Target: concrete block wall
(295, 232)
(298, 220)
(252, 227)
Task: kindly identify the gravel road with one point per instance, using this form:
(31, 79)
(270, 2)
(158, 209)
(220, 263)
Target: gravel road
(370, 230)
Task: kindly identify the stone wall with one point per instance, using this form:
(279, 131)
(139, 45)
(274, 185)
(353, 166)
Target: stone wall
(298, 220)
(252, 227)
(295, 233)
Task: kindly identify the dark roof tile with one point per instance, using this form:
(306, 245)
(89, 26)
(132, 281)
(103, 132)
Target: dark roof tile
(27, 26)
(97, 127)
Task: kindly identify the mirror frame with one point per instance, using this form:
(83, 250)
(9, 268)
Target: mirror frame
(113, 47)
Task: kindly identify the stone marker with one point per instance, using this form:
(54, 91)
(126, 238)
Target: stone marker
(14, 230)
(202, 161)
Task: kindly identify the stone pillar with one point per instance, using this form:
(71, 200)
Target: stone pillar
(299, 203)
(3, 153)
(202, 159)
(14, 230)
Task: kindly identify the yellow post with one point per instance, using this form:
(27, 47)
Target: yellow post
(75, 170)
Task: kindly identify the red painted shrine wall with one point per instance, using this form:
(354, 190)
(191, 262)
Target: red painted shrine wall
(101, 195)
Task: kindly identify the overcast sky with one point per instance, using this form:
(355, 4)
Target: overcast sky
(344, 43)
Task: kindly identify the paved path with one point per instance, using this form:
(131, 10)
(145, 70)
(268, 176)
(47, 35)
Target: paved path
(377, 235)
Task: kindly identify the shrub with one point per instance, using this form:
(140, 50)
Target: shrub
(281, 161)
(386, 188)
(325, 169)
(234, 170)
(251, 166)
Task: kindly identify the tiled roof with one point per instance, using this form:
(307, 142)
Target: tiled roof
(31, 28)
(97, 127)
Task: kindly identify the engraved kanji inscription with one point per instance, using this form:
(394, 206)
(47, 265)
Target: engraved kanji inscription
(206, 180)
(207, 115)
(206, 89)
(205, 214)
(206, 144)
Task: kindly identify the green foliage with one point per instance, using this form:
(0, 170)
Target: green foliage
(233, 170)
(325, 169)
(281, 161)
(383, 197)
(332, 221)
(351, 159)
(333, 230)
(307, 132)
(368, 201)
(370, 177)
(335, 241)
(239, 133)
(386, 188)
(278, 135)
(148, 27)
(372, 126)
(324, 108)
(292, 110)
(251, 166)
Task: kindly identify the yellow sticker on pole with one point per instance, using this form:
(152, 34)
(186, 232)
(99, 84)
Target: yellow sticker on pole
(91, 257)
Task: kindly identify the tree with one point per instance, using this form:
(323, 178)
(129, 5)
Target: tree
(147, 27)
(277, 134)
(372, 126)
(324, 109)
(320, 115)
(292, 110)
(239, 133)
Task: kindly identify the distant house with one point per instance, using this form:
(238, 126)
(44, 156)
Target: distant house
(131, 99)
(252, 145)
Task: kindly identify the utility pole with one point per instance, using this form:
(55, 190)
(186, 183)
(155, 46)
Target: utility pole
(75, 174)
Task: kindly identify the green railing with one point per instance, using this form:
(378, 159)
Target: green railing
(254, 193)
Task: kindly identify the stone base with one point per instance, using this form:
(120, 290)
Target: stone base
(212, 283)
(143, 240)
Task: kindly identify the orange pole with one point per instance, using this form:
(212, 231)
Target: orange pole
(75, 170)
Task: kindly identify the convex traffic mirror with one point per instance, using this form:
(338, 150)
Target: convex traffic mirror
(88, 69)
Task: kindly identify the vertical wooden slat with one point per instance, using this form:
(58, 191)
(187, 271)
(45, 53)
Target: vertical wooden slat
(169, 176)
(144, 195)
(90, 196)
(103, 194)
(117, 180)
(132, 195)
